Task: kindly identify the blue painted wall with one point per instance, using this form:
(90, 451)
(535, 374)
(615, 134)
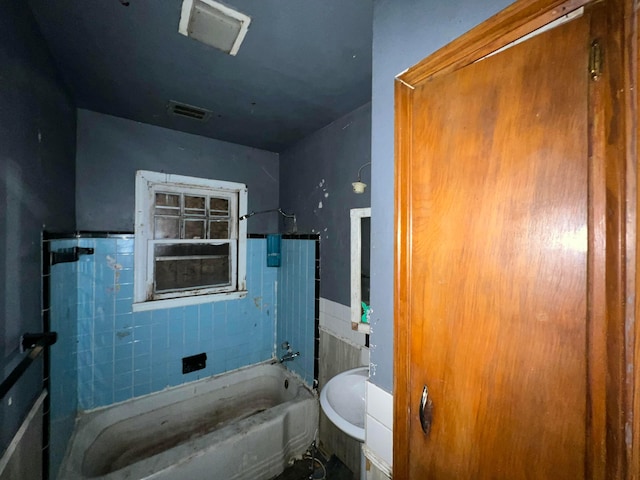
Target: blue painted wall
(315, 178)
(404, 32)
(111, 149)
(37, 150)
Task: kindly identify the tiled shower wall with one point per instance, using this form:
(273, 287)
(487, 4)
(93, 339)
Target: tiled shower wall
(298, 305)
(63, 385)
(120, 354)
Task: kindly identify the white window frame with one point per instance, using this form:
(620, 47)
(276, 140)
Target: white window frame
(147, 183)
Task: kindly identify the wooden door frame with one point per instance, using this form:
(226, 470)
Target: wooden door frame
(614, 349)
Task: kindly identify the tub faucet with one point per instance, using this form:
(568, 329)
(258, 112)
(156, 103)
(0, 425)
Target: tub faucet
(289, 356)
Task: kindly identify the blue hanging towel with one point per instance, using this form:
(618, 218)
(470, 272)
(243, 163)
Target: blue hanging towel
(273, 250)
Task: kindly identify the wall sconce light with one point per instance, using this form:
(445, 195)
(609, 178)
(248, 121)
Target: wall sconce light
(359, 186)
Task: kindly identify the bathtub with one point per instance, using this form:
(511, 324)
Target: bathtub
(247, 424)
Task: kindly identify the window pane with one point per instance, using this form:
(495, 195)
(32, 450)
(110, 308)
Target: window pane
(219, 229)
(186, 266)
(193, 205)
(190, 249)
(219, 206)
(166, 227)
(167, 204)
(167, 211)
(167, 200)
(194, 229)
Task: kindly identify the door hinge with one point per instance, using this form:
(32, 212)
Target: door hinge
(595, 60)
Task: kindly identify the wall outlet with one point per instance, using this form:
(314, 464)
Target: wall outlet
(194, 362)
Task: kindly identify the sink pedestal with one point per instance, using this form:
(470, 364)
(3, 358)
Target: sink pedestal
(343, 401)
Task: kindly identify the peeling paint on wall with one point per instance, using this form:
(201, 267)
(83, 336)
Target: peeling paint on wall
(321, 167)
(111, 262)
(257, 301)
(116, 267)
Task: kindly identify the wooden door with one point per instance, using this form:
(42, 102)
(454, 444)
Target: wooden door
(495, 299)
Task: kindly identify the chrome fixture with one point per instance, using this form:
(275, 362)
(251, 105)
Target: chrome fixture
(279, 210)
(358, 185)
(289, 356)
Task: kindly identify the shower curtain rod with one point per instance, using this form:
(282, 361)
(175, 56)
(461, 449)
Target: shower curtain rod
(279, 210)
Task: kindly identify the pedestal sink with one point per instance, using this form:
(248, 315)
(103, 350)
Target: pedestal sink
(342, 401)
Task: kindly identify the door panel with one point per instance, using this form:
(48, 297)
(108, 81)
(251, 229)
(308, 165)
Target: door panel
(497, 325)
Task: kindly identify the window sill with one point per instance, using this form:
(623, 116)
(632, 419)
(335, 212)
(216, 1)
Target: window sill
(186, 301)
(361, 327)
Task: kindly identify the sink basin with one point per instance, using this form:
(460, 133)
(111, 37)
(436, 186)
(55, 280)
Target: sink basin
(342, 401)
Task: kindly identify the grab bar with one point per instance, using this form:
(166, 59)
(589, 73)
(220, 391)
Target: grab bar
(36, 343)
(69, 255)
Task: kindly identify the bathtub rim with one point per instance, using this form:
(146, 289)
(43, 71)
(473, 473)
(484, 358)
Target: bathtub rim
(90, 423)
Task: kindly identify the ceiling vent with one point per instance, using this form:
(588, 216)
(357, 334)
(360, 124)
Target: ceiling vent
(188, 111)
(214, 24)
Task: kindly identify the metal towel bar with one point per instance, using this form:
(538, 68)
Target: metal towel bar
(35, 343)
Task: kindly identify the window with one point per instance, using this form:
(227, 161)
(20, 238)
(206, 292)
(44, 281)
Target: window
(190, 246)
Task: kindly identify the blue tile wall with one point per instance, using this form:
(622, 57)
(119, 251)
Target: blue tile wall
(122, 354)
(296, 304)
(63, 384)
(106, 353)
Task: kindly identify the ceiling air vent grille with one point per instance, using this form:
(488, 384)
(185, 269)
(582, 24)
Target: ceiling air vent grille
(214, 24)
(188, 111)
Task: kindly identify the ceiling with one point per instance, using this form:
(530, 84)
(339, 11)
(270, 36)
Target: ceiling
(302, 65)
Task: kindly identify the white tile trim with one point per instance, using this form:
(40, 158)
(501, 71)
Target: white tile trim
(379, 427)
(335, 319)
(379, 442)
(377, 462)
(380, 405)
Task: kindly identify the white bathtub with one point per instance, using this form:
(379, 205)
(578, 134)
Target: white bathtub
(247, 424)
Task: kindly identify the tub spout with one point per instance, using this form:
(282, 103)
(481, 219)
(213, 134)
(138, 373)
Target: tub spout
(289, 356)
